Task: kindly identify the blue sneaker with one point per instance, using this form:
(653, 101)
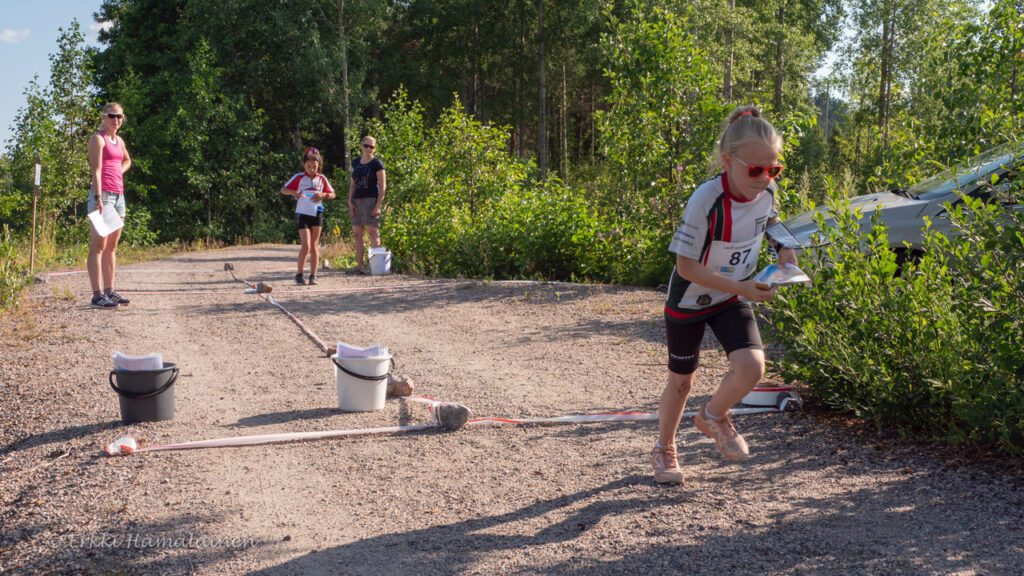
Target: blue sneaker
(102, 301)
(118, 299)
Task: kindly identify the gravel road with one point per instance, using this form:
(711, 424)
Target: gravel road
(498, 499)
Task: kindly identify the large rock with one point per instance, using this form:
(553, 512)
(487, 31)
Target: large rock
(451, 415)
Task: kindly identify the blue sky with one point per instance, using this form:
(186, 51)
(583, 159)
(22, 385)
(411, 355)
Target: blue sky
(28, 35)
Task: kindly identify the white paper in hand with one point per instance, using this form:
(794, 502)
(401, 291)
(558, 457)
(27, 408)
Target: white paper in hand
(776, 275)
(105, 223)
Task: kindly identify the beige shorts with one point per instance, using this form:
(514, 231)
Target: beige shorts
(364, 211)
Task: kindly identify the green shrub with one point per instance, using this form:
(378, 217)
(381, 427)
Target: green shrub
(934, 351)
(13, 276)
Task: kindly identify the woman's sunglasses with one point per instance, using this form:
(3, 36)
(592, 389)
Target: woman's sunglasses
(755, 170)
(114, 116)
(368, 146)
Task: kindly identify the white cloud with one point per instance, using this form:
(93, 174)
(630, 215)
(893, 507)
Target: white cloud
(105, 25)
(14, 36)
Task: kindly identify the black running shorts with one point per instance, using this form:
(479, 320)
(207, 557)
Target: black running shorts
(735, 327)
(307, 221)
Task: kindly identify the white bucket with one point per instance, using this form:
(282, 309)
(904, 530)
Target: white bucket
(380, 261)
(365, 384)
(766, 396)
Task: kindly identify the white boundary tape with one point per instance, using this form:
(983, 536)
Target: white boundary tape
(235, 441)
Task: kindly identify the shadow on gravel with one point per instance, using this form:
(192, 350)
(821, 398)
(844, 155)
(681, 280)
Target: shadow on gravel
(454, 548)
(62, 435)
(283, 417)
(886, 528)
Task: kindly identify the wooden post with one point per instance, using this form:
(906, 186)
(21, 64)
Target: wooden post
(35, 199)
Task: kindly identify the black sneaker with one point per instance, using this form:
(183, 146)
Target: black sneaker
(299, 280)
(118, 299)
(102, 301)
(312, 281)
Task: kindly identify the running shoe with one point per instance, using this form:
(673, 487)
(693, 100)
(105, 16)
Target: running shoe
(118, 299)
(666, 465)
(312, 281)
(300, 280)
(728, 441)
(102, 301)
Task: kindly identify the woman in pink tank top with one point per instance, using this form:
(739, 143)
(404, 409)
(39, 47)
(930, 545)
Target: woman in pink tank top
(108, 161)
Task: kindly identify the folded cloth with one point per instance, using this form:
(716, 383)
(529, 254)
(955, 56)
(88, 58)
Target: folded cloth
(350, 351)
(125, 363)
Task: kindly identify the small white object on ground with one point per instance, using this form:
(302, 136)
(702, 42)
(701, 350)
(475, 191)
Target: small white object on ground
(122, 446)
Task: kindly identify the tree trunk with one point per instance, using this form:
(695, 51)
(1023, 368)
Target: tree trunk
(344, 84)
(779, 55)
(565, 129)
(884, 83)
(474, 78)
(542, 146)
(828, 105)
(727, 83)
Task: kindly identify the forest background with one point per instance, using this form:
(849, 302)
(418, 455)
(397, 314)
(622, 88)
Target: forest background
(560, 140)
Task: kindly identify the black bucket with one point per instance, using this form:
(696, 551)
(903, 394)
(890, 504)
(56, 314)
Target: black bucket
(145, 395)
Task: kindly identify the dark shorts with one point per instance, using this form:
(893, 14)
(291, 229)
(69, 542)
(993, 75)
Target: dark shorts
(735, 328)
(306, 221)
(364, 211)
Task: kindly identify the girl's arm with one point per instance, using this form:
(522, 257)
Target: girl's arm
(327, 194)
(698, 273)
(786, 255)
(96, 167)
(126, 162)
(291, 188)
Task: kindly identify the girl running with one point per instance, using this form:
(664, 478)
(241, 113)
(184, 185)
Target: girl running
(716, 247)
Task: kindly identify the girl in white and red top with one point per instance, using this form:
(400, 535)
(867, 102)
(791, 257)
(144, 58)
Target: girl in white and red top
(716, 248)
(108, 161)
(310, 188)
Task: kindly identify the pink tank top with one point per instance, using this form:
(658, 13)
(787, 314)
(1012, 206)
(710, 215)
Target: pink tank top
(111, 177)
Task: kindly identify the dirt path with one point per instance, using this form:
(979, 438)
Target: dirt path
(568, 499)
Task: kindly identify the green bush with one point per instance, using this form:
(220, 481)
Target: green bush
(933, 351)
(458, 204)
(13, 276)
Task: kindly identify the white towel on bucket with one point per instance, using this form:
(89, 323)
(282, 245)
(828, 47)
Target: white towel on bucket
(350, 351)
(125, 363)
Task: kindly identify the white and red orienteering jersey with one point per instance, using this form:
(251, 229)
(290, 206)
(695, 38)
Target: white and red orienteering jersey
(723, 232)
(309, 186)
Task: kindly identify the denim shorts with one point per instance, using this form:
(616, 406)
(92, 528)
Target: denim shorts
(110, 199)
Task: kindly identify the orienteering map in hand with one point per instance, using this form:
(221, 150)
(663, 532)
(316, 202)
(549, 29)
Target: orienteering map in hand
(776, 275)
